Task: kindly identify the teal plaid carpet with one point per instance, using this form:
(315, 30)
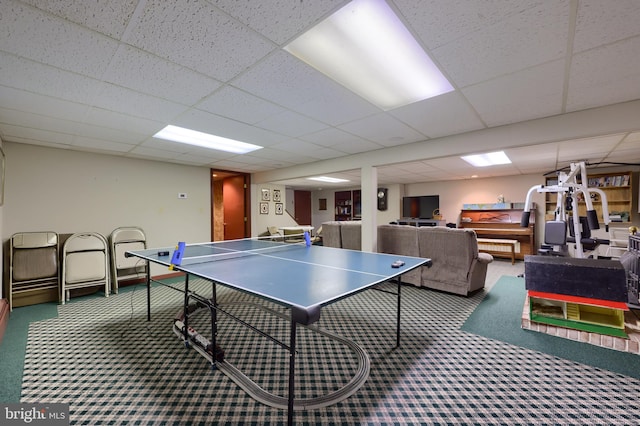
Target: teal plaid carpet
(498, 317)
(102, 357)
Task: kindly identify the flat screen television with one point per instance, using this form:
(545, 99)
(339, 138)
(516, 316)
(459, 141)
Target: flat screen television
(421, 207)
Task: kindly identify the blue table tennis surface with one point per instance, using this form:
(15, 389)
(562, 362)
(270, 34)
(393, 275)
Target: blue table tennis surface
(290, 274)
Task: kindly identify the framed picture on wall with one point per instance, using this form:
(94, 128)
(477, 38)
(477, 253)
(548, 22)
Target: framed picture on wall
(265, 195)
(264, 208)
(279, 208)
(276, 195)
(322, 204)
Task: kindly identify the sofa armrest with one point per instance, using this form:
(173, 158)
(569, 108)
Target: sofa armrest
(485, 258)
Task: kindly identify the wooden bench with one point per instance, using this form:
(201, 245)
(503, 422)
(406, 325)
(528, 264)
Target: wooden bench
(498, 247)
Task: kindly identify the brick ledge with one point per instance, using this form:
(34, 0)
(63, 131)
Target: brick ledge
(632, 328)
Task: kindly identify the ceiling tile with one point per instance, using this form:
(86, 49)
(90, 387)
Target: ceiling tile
(602, 22)
(535, 36)
(308, 149)
(95, 144)
(338, 139)
(383, 129)
(605, 75)
(336, 105)
(198, 36)
(280, 20)
(591, 149)
(528, 94)
(136, 125)
(221, 126)
(41, 37)
(109, 17)
(35, 121)
(124, 136)
(126, 101)
(291, 124)
(447, 21)
(283, 79)
(149, 74)
(46, 80)
(239, 105)
(440, 116)
(42, 105)
(145, 152)
(27, 133)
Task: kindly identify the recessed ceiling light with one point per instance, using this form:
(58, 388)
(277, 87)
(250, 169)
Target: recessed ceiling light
(488, 159)
(365, 47)
(328, 179)
(206, 140)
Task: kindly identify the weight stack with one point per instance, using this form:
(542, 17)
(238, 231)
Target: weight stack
(591, 278)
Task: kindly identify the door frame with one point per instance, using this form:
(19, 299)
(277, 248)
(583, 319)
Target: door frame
(216, 175)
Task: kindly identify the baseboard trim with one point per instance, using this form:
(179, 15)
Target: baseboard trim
(4, 317)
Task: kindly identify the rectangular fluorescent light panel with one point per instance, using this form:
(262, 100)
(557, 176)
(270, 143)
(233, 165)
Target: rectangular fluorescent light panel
(365, 47)
(488, 159)
(205, 140)
(328, 179)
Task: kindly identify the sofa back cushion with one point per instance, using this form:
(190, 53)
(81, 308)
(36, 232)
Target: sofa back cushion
(331, 234)
(351, 234)
(398, 239)
(451, 250)
(403, 240)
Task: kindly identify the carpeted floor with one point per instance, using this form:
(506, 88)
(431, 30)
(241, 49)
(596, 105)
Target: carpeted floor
(507, 297)
(103, 358)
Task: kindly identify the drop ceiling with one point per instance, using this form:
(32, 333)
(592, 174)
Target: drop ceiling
(105, 76)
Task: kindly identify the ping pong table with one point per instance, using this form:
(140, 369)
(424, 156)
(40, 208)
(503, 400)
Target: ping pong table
(301, 277)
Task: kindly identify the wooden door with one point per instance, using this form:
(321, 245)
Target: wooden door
(302, 205)
(234, 207)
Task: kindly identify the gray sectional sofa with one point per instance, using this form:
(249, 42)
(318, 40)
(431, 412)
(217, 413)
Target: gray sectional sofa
(457, 267)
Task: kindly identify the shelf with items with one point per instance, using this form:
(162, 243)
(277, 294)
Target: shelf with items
(343, 205)
(348, 205)
(617, 188)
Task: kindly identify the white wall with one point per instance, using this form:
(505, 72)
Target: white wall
(67, 191)
(453, 194)
(260, 222)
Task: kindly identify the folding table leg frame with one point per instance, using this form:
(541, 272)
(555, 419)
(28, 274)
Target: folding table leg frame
(235, 374)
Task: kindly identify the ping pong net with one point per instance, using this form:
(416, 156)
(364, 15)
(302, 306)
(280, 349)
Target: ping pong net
(232, 249)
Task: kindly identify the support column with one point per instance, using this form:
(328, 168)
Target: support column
(369, 187)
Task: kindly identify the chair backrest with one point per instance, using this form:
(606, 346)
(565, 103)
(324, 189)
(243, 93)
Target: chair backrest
(125, 239)
(274, 231)
(34, 268)
(121, 240)
(85, 258)
(34, 256)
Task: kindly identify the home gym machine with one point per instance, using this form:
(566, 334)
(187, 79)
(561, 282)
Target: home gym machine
(571, 188)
